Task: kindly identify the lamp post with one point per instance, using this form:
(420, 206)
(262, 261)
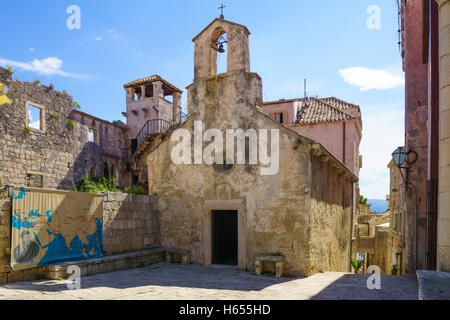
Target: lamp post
(401, 157)
(402, 161)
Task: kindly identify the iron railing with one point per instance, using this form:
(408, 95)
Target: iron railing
(155, 126)
(151, 127)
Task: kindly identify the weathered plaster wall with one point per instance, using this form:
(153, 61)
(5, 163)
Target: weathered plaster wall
(130, 223)
(289, 110)
(416, 136)
(331, 136)
(330, 218)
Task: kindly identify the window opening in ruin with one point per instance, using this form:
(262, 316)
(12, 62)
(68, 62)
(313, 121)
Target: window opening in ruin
(35, 180)
(35, 117)
(92, 135)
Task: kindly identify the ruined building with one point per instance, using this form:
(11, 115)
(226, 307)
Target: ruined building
(231, 213)
(46, 143)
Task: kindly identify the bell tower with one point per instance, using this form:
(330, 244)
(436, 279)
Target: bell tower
(205, 55)
(235, 91)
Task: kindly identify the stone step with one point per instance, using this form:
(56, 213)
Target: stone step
(433, 285)
(107, 264)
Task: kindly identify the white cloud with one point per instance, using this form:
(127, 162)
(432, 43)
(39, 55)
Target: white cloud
(115, 33)
(383, 132)
(32, 49)
(368, 79)
(48, 66)
(31, 124)
(98, 38)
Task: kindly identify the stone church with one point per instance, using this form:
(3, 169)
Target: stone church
(230, 213)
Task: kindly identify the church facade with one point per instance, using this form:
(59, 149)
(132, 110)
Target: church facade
(228, 213)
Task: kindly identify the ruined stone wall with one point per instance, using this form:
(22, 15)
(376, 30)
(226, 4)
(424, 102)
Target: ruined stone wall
(106, 148)
(50, 152)
(130, 223)
(330, 218)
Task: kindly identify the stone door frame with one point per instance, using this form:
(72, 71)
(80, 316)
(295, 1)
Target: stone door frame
(223, 205)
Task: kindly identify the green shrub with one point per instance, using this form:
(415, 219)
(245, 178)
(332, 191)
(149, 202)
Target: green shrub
(136, 190)
(75, 105)
(357, 265)
(95, 185)
(10, 71)
(362, 200)
(27, 130)
(71, 123)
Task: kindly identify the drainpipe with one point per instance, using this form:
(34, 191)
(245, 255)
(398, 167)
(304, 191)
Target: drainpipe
(343, 142)
(351, 226)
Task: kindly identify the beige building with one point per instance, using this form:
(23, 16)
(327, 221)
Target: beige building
(231, 213)
(380, 237)
(443, 223)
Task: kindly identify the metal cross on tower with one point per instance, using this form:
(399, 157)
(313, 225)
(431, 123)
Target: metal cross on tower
(221, 11)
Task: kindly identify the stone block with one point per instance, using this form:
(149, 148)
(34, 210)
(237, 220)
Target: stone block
(16, 276)
(3, 278)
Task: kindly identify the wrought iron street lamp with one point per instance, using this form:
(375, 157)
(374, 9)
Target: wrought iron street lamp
(400, 157)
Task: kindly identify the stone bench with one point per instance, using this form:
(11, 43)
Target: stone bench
(105, 264)
(172, 253)
(262, 258)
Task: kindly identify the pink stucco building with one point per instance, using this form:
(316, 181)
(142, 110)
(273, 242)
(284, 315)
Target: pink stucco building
(334, 123)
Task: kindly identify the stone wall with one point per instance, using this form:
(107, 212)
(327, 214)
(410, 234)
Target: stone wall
(105, 149)
(60, 153)
(130, 223)
(330, 218)
(5, 227)
(50, 152)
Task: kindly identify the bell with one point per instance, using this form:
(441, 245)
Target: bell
(221, 49)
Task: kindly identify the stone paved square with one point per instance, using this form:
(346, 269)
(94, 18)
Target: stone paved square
(163, 281)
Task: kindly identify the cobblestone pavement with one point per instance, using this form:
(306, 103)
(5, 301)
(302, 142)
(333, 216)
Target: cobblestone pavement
(191, 282)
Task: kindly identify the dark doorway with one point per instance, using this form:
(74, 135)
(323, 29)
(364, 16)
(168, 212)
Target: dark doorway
(225, 237)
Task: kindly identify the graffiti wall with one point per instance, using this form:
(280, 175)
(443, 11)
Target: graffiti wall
(51, 226)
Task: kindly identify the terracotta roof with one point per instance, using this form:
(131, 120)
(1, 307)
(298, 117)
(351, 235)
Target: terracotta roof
(317, 111)
(281, 101)
(340, 104)
(149, 80)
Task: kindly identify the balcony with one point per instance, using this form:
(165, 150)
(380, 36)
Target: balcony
(149, 131)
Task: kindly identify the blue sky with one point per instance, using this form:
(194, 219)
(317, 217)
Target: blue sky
(327, 42)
